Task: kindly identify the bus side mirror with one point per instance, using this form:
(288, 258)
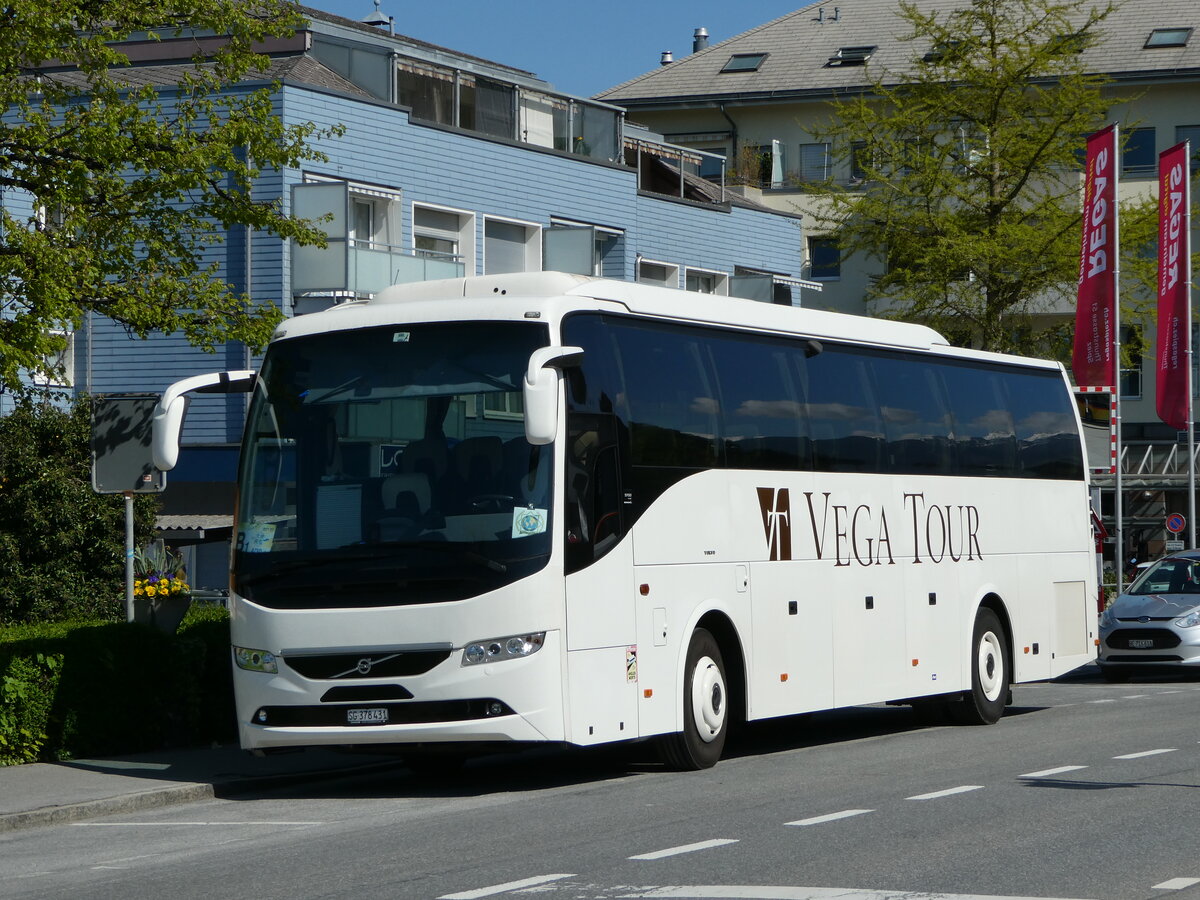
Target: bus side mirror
(167, 421)
(541, 391)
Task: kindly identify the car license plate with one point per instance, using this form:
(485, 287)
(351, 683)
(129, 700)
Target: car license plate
(1134, 644)
(376, 715)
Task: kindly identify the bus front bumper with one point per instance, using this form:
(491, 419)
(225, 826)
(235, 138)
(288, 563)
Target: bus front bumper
(518, 700)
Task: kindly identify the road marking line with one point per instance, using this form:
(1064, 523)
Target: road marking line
(686, 848)
(1105, 700)
(1135, 696)
(503, 888)
(781, 892)
(830, 817)
(1146, 753)
(937, 795)
(1175, 884)
(1170, 692)
(1045, 772)
(188, 824)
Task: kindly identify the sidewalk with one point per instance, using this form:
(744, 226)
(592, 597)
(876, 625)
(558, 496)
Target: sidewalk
(39, 794)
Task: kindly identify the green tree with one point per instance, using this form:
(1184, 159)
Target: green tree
(62, 545)
(969, 161)
(114, 189)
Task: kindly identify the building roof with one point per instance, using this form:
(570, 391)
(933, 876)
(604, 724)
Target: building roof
(799, 48)
(300, 69)
(376, 34)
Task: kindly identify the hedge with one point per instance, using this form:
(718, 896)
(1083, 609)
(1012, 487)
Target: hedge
(73, 690)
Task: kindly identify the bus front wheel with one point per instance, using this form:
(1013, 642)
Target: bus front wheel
(991, 673)
(705, 708)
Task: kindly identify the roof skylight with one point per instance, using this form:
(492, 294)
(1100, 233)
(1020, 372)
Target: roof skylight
(1167, 37)
(744, 62)
(852, 56)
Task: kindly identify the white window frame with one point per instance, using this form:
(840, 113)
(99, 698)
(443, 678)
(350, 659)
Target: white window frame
(720, 283)
(385, 211)
(672, 269)
(808, 257)
(533, 241)
(67, 357)
(465, 236)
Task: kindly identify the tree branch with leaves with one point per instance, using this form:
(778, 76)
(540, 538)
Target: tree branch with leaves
(113, 192)
(970, 157)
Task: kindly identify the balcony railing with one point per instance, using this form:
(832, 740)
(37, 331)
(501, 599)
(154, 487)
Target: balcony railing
(357, 269)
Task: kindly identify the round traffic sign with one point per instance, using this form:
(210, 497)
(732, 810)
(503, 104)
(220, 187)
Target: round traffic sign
(1176, 523)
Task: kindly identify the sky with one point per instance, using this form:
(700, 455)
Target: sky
(581, 48)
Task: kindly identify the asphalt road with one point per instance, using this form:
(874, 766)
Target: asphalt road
(1084, 790)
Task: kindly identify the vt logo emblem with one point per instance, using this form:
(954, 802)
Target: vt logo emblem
(776, 517)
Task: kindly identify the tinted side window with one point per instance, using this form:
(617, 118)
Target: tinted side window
(672, 404)
(1047, 437)
(985, 440)
(763, 420)
(912, 405)
(843, 415)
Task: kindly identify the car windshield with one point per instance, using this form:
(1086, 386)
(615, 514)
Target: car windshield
(1172, 575)
(389, 465)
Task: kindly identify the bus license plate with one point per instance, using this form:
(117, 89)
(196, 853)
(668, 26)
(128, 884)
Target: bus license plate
(1140, 643)
(373, 716)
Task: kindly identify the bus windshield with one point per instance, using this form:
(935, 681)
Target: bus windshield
(386, 466)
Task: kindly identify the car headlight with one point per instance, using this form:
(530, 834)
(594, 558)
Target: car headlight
(498, 649)
(1107, 619)
(255, 660)
(1191, 620)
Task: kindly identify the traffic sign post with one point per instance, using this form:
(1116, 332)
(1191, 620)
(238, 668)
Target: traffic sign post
(121, 460)
(1176, 523)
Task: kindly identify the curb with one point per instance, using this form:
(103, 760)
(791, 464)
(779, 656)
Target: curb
(172, 795)
(75, 812)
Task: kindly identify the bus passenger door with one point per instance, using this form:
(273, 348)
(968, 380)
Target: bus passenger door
(600, 592)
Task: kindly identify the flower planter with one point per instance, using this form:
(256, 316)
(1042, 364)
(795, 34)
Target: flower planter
(167, 612)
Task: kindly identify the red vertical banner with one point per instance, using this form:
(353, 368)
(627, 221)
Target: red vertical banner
(1174, 277)
(1095, 314)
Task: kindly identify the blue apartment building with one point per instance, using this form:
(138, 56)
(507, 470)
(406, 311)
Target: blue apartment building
(448, 165)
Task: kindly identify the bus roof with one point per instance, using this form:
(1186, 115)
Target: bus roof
(515, 295)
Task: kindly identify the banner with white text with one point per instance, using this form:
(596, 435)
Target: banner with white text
(1092, 359)
(1174, 279)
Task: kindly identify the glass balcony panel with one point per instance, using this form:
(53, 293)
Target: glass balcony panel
(596, 132)
(319, 268)
(544, 120)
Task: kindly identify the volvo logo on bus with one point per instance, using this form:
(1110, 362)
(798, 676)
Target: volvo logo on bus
(775, 505)
(364, 666)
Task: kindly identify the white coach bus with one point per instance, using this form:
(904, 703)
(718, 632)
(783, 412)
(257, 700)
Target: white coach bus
(544, 507)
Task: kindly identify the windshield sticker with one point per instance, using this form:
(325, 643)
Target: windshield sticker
(256, 537)
(527, 522)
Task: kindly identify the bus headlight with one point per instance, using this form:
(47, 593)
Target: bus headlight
(255, 660)
(502, 648)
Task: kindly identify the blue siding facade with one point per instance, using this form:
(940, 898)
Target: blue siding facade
(443, 167)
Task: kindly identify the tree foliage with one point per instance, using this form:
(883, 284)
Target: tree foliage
(113, 188)
(970, 160)
(62, 546)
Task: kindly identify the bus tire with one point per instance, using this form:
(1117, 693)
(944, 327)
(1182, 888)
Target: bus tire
(705, 709)
(991, 673)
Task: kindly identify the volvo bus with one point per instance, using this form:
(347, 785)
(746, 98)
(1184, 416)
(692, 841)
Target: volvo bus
(552, 508)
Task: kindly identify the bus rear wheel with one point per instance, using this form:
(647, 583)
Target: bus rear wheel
(991, 673)
(705, 709)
